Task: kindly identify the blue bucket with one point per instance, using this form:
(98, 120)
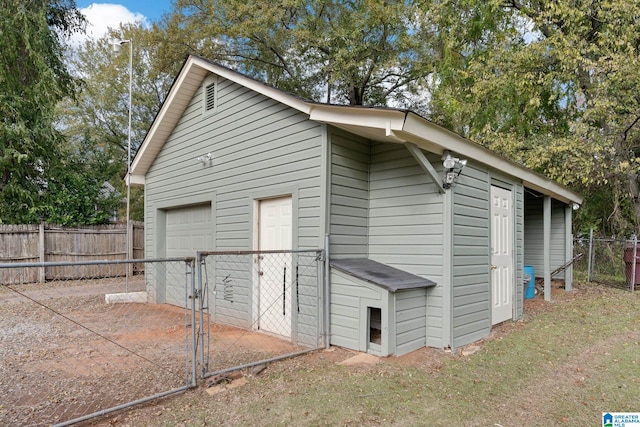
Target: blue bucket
(531, 284)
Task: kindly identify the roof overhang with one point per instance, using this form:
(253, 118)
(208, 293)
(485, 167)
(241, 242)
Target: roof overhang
(378, 124)
(405, 126)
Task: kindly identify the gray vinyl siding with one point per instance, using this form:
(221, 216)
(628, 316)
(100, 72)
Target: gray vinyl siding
(411, 317)
(346, 314)
(406, 224)
(306, 294)
(228, 280)
(471, 310)
(349, 197)
(258, 146)
(534, 235)
(261, 148)
(519, 234)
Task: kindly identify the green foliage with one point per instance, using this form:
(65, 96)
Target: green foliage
(77, 192)
(96, 122)
(553, 85)
(355, 52)
(42, 177)
(33, 79)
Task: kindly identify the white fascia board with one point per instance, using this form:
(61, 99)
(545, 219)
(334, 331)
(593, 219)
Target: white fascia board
(420, 131)
(255, 85)
(158, 132)
(137, 180)
(389, 120)
(551, 188)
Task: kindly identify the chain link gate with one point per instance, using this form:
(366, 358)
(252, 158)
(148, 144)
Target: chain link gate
(81, 340)
(258, 306)
(93, 337)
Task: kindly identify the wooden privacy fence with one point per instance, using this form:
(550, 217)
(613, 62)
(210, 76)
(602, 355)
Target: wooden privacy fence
(50, 243)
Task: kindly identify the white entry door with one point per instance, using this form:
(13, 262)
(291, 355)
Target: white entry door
(501, 255)
(274, 270)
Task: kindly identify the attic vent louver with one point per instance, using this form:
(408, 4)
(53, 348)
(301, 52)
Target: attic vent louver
(210, 97)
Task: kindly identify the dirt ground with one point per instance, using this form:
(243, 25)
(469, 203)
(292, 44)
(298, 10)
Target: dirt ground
(66, 353)
(41, 372)
(425, 359)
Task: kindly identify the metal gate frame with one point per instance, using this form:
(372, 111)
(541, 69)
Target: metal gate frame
(190, 380)
(202, 296)
(76, 331)
(196, 310)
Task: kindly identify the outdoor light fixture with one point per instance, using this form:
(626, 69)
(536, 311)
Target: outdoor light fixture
(206, 159)
(453, 168)
(117, 48)
(575, 206)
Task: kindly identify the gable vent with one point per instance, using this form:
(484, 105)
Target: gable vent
(210, 97)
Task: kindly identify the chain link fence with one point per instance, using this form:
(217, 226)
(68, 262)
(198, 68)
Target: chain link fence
(128, 332)
(614, 262)
(258, 307)
(74, 348)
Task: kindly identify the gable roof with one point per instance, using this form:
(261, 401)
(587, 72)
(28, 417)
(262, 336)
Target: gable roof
(379, 124)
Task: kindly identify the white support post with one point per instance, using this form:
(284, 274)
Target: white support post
(547, 247)
(426, 165)
(568, 272)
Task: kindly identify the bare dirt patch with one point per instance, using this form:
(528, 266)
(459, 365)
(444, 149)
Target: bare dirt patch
(68, 356)
(313, 389)
(66, 353)
(478, 389)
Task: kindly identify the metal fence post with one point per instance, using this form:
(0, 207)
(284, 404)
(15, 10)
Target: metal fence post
(327, 294)
(195, 294)
(42, 252)
(145, 341)
(200, 260)
(590, 255)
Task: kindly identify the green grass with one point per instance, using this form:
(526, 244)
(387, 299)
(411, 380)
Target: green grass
(562, 367)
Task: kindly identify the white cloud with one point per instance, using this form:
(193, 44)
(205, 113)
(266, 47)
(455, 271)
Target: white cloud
(101, 17)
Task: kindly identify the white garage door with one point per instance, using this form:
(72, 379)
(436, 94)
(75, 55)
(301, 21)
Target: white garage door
(189, 229)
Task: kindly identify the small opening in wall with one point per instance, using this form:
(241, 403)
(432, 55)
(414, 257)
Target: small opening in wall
(375, 325)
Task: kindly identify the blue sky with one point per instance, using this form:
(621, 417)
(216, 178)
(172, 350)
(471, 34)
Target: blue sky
(152, 10)
(103, 15)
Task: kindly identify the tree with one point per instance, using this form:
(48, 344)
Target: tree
(553, 85)
(341, 51)
(33, 79)
(96, 122)
(77, 193)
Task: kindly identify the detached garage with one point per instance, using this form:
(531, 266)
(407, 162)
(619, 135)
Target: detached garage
(366, 185)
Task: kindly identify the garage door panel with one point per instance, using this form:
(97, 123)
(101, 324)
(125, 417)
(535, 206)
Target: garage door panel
(188, 230)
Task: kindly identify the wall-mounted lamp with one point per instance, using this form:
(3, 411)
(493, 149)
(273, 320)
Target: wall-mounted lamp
(575, 206)
(206, 159)
(453, 168)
